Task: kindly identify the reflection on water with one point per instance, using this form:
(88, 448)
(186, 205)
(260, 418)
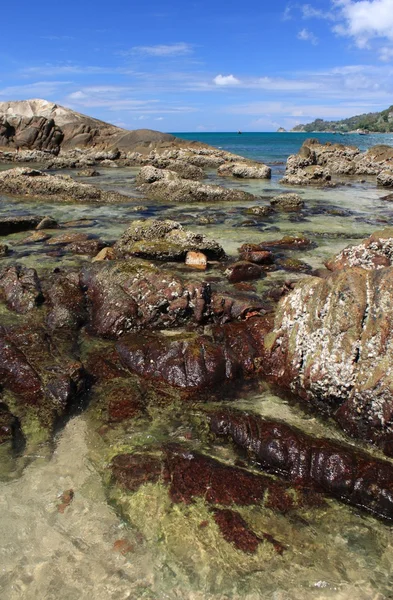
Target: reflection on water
(141, 545)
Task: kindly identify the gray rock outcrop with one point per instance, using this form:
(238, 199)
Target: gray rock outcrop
(165, 185)
(33, 183)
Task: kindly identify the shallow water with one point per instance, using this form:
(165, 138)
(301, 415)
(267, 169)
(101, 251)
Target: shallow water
(148, 547)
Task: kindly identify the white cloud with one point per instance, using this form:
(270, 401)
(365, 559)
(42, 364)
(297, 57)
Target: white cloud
(365, 20)
(307, 36)
(164, 50)
(386, 53)
(309, 12)
(77, 95)
(226, 80)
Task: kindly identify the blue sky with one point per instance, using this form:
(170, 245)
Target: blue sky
(201, 66)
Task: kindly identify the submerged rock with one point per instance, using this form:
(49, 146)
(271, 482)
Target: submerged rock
(164, 240)
(327, 466)
(244, 270)
(42, 378)
(190, 475)
(287, 202)
(4, 250)
(16, 224)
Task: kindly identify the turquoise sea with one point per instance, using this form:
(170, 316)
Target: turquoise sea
(272, 147)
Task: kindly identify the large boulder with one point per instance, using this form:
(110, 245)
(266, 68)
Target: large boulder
(42, 125)
(332, 345)
(130, 295)
(338, 159)
(164, 240)
(385, 178)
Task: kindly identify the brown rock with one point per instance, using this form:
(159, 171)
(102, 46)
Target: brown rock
(244, 271)
(107, 253)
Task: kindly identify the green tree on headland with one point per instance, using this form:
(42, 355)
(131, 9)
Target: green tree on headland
(380, 122)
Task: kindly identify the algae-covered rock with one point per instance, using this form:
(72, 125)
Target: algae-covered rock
(195, 361)
(132, 295)
(325, 465)
(168, 186)
(164, 240)
(41, 376)
(287, 202)
(30, 182)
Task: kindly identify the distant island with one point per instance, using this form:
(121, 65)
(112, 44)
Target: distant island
(378, 122)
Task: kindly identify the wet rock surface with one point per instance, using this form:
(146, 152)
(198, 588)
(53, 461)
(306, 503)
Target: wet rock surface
(325, 465)
(9, 225)
(195, 361)
(42, 377)
(133, 296)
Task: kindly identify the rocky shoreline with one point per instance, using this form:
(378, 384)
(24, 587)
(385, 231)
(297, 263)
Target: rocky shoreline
(157, 325)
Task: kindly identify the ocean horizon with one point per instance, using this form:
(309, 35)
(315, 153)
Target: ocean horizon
(272, 147)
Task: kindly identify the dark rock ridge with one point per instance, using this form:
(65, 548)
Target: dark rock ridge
(43, 125)
(327, 466)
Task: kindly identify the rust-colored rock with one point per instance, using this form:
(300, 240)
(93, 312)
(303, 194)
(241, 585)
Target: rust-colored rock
(196, 260)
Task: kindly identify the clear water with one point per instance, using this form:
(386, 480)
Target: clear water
(111, 545)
